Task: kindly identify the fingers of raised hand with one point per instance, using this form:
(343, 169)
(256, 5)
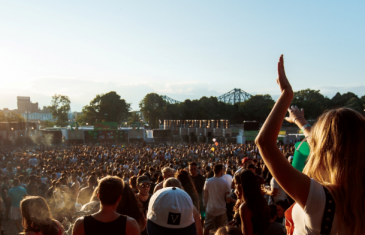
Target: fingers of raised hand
(288, 119)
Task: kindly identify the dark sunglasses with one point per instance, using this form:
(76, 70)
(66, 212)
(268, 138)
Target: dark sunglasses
(146, 185)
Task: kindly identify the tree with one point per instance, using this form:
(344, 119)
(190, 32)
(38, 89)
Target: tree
(134, 118)
(107, 107)
(257, 108)
(312, 101)
(355, 104)
(341, 100)
(363, 101)
(11, 117)
(47, 123)
(152, 107)
(60, 106)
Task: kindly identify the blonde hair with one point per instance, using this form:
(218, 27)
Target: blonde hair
(172, 182)
(337, 161)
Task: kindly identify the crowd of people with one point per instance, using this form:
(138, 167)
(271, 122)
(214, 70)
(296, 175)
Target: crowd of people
(187, 188)
(67, 177)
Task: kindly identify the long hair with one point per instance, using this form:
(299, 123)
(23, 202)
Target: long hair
(130, 205)
(252, 197)
(36, 216)
(187, 182)
(337, 161)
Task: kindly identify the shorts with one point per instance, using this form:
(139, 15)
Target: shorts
(214, 222)
(15, 213)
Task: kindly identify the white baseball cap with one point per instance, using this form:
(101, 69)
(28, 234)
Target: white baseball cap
(170, 211)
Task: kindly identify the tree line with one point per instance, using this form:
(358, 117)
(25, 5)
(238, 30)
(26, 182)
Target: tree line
(110, 107)
(257, 108)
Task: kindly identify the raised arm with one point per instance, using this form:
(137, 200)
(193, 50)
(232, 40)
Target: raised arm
(295, 183)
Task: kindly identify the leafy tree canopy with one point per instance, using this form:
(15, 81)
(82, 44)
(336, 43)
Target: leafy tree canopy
(107, 107)
(60, 106)
(11, 117)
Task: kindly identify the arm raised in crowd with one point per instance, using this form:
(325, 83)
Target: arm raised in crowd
(291, 180)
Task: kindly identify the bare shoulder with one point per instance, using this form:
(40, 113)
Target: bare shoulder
(244, 209)
(78, 228)
(132, 226)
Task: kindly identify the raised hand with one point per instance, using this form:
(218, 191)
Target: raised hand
(294, 114)
(282, 79)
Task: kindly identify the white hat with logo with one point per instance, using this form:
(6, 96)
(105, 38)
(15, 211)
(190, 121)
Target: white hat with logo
(170, 211)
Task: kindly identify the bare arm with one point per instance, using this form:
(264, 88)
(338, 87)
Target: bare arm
(246, 223)
(198, 225)
(206, 197)
(291, 180)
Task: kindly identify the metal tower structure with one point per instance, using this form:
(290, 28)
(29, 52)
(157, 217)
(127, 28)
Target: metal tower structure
(234, 96)
(170, 100)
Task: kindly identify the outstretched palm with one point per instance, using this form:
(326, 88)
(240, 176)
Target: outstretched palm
(282, 79)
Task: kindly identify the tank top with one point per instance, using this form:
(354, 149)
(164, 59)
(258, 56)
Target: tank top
(96, 227)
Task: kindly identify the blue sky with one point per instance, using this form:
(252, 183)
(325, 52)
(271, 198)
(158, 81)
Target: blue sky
(183, 49)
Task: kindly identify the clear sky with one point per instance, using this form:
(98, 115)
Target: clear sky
(183, 49)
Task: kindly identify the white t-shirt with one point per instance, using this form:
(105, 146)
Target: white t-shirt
(281, 195)
(217, 188)
(309, 220)
(228, 178)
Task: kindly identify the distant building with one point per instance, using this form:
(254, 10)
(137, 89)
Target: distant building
(25, 105)
(39, 116)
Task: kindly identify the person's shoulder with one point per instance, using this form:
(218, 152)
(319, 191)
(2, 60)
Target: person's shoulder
(228, 176)
(244, 208)
(22, 189)
(132, 226)
(78, 227)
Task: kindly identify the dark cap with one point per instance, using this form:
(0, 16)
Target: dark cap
(143, 179)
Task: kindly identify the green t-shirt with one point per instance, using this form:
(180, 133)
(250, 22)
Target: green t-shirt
(300, 156)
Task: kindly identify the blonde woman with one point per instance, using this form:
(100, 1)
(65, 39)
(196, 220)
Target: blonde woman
(336, 163)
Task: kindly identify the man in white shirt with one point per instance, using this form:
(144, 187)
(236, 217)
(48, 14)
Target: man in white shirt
(276, 192)
(228, 178)
(215, 192)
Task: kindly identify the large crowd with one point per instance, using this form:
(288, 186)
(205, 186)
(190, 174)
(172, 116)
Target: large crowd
(187, 188)
(67, 177)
